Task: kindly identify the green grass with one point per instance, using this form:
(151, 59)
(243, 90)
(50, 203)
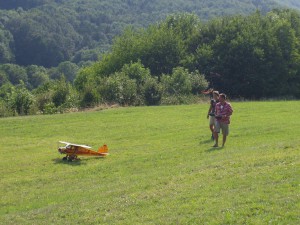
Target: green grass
(161, 168)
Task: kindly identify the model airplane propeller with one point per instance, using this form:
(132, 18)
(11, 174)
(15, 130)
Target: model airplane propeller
(72, 151)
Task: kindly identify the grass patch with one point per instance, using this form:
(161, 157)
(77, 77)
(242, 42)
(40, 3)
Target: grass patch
(161, 168)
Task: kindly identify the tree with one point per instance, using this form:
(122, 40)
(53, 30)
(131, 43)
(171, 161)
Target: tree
(253, 57)
(3, 78)
(20, 100)
(6, 50)
(67, 69)
(37, 76)
(43, 38)
(25, 4)
(60, 92)
(15, 74)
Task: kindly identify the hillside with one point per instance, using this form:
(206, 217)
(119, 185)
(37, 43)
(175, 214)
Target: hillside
(161, 171)
(289, 3)
(45, 33)
(171, 62)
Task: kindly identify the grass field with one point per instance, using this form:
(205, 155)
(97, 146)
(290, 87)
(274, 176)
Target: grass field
(161, 168)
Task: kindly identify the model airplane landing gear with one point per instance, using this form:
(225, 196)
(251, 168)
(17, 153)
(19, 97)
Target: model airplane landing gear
(70, 158)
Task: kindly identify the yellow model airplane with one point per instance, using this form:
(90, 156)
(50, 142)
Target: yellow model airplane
(73, 150)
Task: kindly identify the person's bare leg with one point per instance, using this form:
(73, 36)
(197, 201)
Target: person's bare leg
(211, 127)
(216, 135)
(224, 139)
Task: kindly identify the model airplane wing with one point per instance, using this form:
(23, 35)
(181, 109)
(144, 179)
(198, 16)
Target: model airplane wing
(84, 146)
(71, 144)
(63, 142)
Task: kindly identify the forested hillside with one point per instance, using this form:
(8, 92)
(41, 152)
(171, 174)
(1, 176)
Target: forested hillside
(61, 55)
(48, 32)
(253, 57)
(289, 3)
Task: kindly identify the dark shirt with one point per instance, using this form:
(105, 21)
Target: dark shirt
(213, 106)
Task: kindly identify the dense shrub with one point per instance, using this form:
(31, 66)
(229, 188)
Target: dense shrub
(178, 83)
(126, 93)
(152, 91)
(89, 98)
(20, 100)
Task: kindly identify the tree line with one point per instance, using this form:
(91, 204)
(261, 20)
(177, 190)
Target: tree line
(170, 62)
(48, 32)
(256, 56)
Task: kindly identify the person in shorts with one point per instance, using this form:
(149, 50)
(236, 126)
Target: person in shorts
(211, 112)
(223, 111)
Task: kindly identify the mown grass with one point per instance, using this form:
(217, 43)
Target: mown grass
(161, 168)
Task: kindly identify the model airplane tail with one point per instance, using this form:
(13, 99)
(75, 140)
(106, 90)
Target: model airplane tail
(103, 149)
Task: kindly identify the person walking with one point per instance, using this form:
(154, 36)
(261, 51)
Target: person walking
(211, 112)
(223, 111)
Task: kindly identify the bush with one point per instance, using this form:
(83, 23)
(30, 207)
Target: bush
(127, 90)
(108, 89)
(179, 99)
(5, 111)
(136, 71)
(178, 83)
(59, 93)
(90, 97)
(118, 88)
(50, 108)
(199, 83)
(20, 100)
(152, 91)
(43, 100)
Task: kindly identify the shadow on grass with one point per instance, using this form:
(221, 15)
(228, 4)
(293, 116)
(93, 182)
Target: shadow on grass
(213, 149)
(206, 142)
(71, 163)
(211, 143)
(78, 162)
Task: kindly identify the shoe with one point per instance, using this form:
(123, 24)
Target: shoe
(215, 146)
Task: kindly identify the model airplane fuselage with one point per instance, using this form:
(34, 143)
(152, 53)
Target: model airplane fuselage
(72, 151)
